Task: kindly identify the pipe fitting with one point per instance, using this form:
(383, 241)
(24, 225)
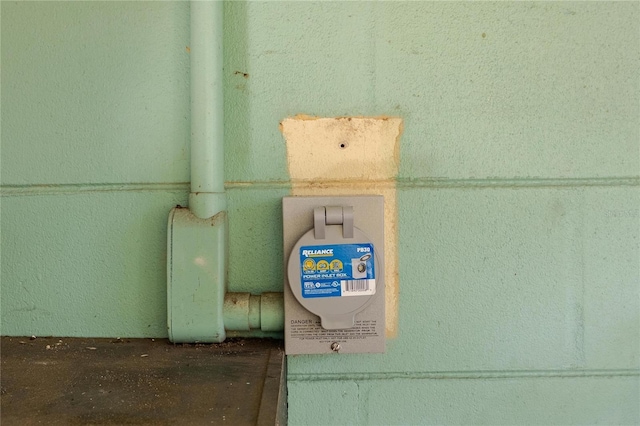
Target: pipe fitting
(244, 312)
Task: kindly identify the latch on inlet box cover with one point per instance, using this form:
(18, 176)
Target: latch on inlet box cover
(334, 274)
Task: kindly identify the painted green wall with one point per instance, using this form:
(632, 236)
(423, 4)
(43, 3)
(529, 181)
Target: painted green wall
(95, 133)
(519, 189)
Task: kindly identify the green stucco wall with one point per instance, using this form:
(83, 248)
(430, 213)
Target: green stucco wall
(518, 190)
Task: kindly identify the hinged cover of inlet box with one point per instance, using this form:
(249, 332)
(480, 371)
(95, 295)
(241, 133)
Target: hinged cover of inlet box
(334, 274)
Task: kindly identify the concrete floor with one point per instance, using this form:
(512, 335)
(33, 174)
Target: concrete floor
(141, 381)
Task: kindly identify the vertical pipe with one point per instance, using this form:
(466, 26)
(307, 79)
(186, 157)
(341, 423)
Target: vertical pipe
(207, 151)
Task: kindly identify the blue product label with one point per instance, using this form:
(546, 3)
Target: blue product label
(337, 270)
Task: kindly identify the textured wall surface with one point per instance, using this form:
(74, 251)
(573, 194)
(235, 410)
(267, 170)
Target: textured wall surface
(518, 190)
(95, 133)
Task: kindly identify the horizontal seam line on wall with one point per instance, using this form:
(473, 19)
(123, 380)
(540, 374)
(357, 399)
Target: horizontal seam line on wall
(443, 183)
(404, 183)
(517, 183)
(27, 190)
(464, 375)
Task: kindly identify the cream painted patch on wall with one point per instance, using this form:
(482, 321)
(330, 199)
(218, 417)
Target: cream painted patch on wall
(350, 156)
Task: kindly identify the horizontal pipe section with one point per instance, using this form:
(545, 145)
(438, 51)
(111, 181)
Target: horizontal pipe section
(272, 312)
(244, 312)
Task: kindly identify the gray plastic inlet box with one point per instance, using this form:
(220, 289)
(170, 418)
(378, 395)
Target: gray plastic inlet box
(334, 290)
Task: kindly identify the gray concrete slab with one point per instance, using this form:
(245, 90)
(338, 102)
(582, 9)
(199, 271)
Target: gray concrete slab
(141, 381)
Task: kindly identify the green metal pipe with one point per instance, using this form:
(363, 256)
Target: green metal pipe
(272, 312)
(255, 312)
(207, 129)
(198, 308)
(197, 237)
(244, 312)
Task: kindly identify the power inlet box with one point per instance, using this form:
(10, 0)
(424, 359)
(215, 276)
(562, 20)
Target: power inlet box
(334, 274)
